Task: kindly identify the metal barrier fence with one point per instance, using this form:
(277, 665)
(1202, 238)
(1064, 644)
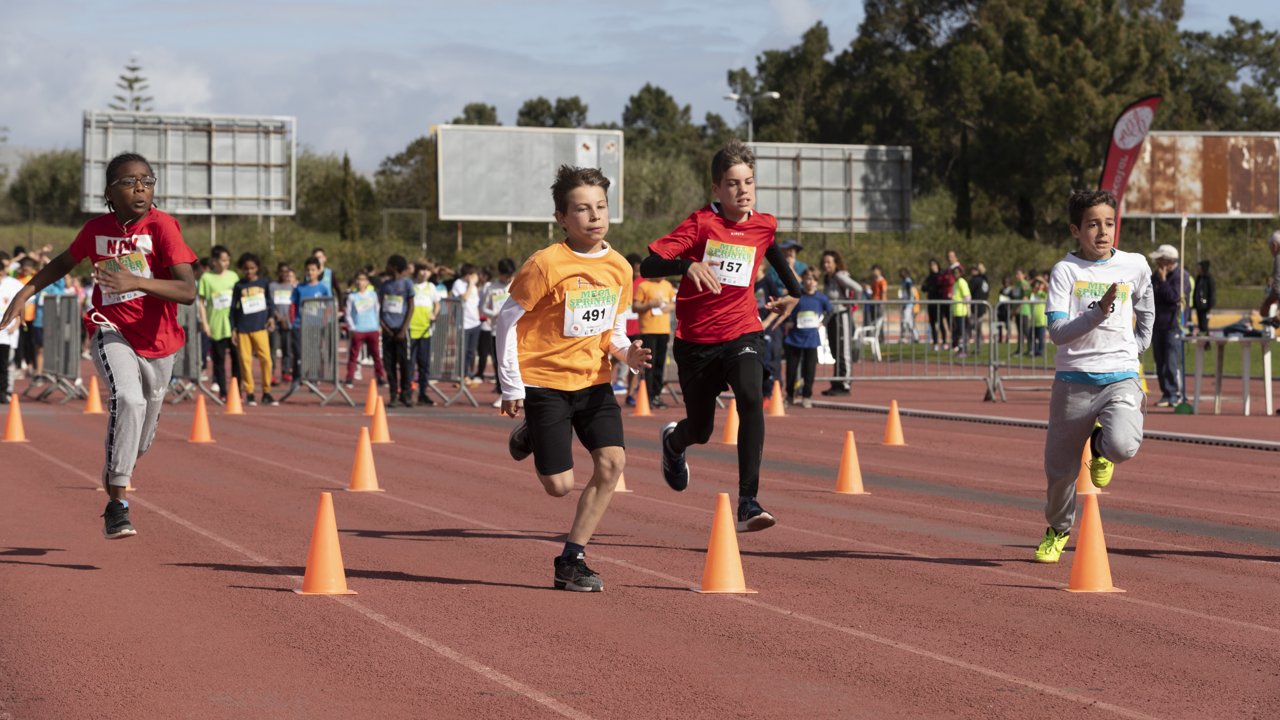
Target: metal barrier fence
(448, 354)
(188, 363)
(318, 349)
(63, 335)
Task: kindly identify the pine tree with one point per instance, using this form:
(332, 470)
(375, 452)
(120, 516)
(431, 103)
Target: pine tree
(348, 222)
(132, 85)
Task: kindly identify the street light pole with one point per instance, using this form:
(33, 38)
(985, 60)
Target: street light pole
(750, 102)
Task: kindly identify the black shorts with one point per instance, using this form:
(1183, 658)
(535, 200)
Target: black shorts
(554, 415)
(706, 365)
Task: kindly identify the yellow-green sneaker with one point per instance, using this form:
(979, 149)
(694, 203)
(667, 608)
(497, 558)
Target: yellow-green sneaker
(1050, 550)
(1100, 468)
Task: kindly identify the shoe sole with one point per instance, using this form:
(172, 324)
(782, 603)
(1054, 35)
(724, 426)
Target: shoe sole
(127, 532)
(662, 441)
(574, 587)
(763, 521)
(1048, 561)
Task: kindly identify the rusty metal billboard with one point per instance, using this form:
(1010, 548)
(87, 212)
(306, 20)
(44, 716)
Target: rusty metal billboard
(1206, 175)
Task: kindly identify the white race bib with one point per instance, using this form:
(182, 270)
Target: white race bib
(283, 298)
(808, 320)
(590, 311)
(393, 304)
(1085, 295)
(734, 263)
(222, 301)
(135, 263)
(365, 304)
(497, 298)
(250, 304)
(424, 298)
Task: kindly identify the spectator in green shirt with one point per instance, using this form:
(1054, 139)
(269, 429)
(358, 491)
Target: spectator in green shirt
(215, 290)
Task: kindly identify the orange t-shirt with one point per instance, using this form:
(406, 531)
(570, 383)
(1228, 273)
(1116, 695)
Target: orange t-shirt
(650, 290)
(571, 303)
(879, 288)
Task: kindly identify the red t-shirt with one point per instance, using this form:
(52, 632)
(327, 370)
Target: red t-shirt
(149, 247)
(702, 316)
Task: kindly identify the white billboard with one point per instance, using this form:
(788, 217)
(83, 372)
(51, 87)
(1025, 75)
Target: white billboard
(204, 164)
(834, 188)
(491, 173)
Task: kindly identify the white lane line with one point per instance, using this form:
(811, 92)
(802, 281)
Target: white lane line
(435, 646)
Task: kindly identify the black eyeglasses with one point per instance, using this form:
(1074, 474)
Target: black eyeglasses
(128, 182)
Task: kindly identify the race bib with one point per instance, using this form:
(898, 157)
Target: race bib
(1085, 295)
(424, 299)
(808, 320)
(135, 263)
(366, 304)
(250, 304)
(393, 304)
(222, 301)
(734, 263)
(657, 311)
(283, 298)
(590, 311)
(497, 298)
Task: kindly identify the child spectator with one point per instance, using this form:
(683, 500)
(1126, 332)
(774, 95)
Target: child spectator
(282, 302)
(937, 286)
(312, 288)
(838, 286)
(465, 289)
(960, 298)
(654, 301)
(362, 328)
(396, 298)
(493, 296)
(1205, 297)
(215, 289)
(1039, 318)
(908, 292)
(802, 340)
(252, 322)
(426, 307)
(9, 287)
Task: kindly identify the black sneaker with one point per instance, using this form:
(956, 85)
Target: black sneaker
(573, 574)
(250, 402)
(268, 400)
(835, 391)
(293, 388)
(406, 401)
(425, 400)
(117, 523)
(518, 443)
(674, 468)
(752, 517)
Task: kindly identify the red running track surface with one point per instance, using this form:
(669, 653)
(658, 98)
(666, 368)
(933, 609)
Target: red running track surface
(918, 600)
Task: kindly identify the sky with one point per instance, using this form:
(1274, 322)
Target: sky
(367, 77)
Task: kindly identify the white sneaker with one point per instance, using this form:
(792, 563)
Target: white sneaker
(497, 403)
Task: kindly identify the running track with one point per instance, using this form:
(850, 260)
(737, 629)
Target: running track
(918, 600)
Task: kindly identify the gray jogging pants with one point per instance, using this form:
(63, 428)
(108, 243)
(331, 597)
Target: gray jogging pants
(1073, 409)
(136, 387)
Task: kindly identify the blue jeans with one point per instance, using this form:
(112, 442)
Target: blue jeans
(1166, 345)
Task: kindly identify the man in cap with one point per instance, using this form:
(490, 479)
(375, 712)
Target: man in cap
(1171, 286)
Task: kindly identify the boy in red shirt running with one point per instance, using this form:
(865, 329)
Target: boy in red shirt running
(142, 269)
(719, 339)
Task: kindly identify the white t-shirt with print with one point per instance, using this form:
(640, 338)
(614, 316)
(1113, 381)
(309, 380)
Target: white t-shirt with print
(1075, 286)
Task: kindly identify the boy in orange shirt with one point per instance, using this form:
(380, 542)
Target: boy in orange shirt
(556, 332)
(654, 301)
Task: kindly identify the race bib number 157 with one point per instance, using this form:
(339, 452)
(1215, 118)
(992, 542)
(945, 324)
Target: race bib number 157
(733, 263)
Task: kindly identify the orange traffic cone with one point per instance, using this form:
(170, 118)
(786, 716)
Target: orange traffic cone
(233, 398)
(371, 401)
(642, 401)
(723, 570)
(200, 423)
(621, 487)
(325, 574)
(776, 407)
(13, 431)
(1084, 484)
(93, 403)
(893, 429)
(1090, 571)
(731, 425)
(850, 480)
(378, 433)
(364, 477)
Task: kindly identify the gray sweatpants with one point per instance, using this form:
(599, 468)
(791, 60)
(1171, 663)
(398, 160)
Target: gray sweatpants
(1073, 409)
(136, 386)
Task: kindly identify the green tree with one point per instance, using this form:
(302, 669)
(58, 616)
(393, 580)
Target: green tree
(564, 113)
(1228, 81)
(654, 121)
(47, 186)
(132, 85)
(408, 178)
(799, 76)
(348, 208)
(477, 114)
(321, 189)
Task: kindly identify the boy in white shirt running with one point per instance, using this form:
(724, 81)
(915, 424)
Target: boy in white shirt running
(1095, 294)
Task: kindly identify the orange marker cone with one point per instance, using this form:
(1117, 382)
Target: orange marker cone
(731, 425)
(1084, 484)
(893, 429)
(200, 423)
(371, 401)
(621, 487)
(642, 401)
(93, 403)
(233, 398)
(13, 431)
(776, 406)
(723, 571)
(364, 477)
(1090, 571)
(325, 574)
(850, 480)
(378, 433)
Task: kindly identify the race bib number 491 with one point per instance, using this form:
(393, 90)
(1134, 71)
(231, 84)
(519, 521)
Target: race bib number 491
(733, 263)
(589, 311)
